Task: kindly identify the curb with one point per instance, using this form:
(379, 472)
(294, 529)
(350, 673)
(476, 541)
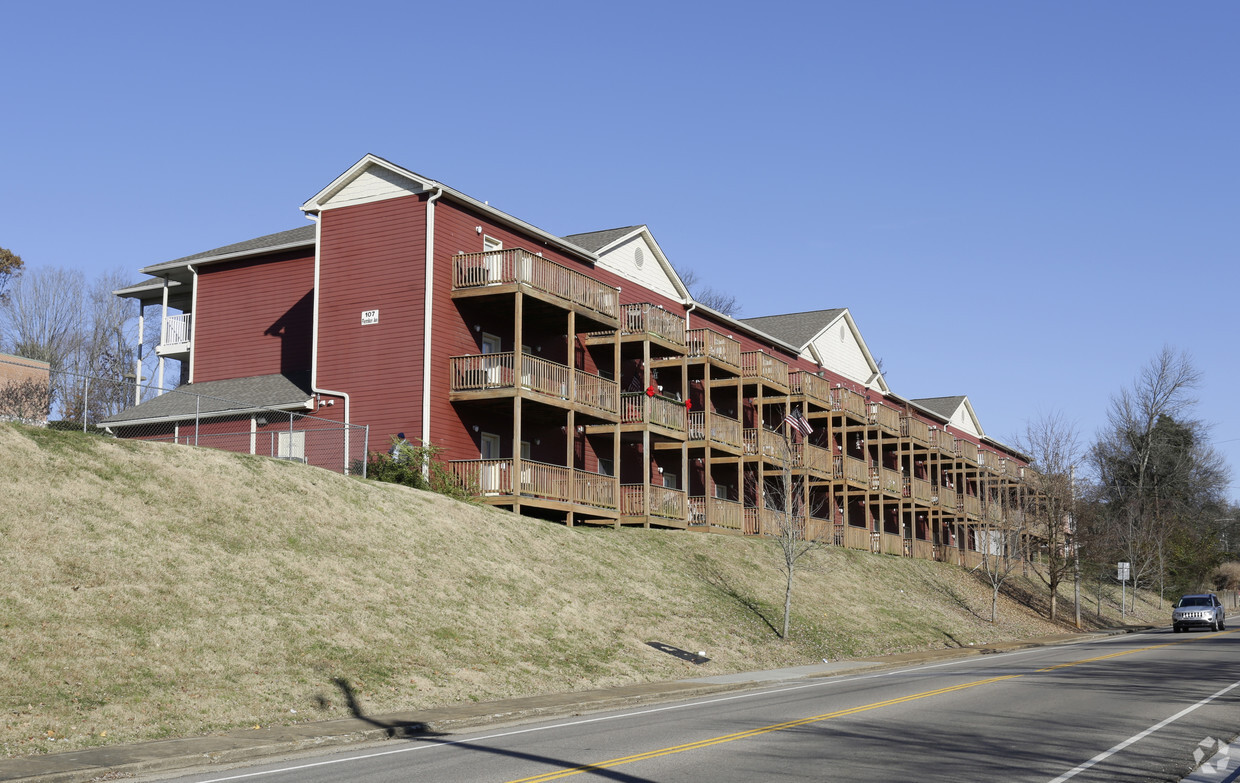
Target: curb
(83, 766)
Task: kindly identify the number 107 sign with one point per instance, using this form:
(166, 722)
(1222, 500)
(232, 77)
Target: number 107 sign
(1123, 572)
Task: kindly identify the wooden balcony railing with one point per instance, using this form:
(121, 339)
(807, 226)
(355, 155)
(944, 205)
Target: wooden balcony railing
(639, 407)
(915, 430)
(849, 469)
(654, 321)
(723, 430)
(854, 537)
(595, 391)
(813, 458)
(923, 549)
(892, 544)
(479, 372)
(710, 344)
(850, 402)
(919, 490)
(763, 441)
(886, 480)
(943, 440)
(491, 477)
(516, 265)
(886, 419)
(815, 389)
(756, 364)
(665, 503)
(967, 450)
(970, 505)
(716, 512)
(1012, 469)
(946, 497)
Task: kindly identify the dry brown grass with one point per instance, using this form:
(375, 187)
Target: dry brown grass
(153, 591)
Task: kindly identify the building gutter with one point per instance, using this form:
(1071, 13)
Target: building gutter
(428, 312)
(193, 323)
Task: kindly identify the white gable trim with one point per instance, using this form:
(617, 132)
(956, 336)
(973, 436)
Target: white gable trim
(876, 380)
(644, 233)
(321, 201)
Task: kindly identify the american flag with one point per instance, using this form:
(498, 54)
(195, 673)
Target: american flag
(798, 422)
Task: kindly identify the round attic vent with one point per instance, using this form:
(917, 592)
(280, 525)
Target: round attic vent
(639, 257)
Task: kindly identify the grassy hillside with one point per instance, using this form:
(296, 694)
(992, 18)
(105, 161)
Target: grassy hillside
(152, 591)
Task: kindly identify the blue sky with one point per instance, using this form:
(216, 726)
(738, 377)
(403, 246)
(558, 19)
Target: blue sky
(1019, 201)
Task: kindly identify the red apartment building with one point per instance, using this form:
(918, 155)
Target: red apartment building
(568, 378)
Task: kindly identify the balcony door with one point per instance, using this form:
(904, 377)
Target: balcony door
(490, 474)
(492, 367)
(493, 261)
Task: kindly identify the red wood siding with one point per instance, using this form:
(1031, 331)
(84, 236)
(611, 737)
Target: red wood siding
(253, 317)
(372, 257)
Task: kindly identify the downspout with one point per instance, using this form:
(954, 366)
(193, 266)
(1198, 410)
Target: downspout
(314, 343)
(692, 307)
(193, 321)
(428, 312)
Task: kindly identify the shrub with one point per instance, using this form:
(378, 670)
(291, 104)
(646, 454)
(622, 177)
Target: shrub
(418, 467)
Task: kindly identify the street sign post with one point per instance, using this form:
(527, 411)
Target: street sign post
(1122, 576)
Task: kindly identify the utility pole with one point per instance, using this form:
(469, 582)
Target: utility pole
(1076, 547)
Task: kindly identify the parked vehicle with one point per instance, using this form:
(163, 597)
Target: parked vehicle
(1202, 610)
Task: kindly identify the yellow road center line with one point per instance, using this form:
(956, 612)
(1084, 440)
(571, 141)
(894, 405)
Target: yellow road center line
(652, 754)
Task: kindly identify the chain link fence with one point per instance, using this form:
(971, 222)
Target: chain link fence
(116, 407)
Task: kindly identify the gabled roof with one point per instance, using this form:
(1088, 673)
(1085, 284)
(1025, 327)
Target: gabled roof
(390, 171)
(219, 398)
(796, 328)
(948, 407)
(595, 241)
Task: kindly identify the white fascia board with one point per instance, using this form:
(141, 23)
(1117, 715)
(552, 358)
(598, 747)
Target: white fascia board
(291, 406)
(316, 204)
(136, 291)
(865, 349)
(968, 408)
(172, 266)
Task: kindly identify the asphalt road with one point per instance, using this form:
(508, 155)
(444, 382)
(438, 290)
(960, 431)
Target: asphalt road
(1129, 708)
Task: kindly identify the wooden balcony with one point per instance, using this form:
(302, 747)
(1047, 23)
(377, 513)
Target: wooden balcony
(492, 272)
(764, 442)
(970, 505)
(718, 348)
(651, 321)
(479, 375)
(944, 441)
(920, 490)
(854, 537)
(848, 401)
(641, 408)
(886, 419)
(722, 432)
(915, 430)
(716, 512)
(813, 458)
(946, 498)
(891, 544)
(966, 450)
(762, 366)
(495, 478)
(923, 549)
(886, 480)
(1012, 469)
(850, 469)
(815, 390)
(666, 504)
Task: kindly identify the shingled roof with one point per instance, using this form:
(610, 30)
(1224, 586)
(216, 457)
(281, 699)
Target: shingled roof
(219, 398)
(303, 235)
(943, 406)
(795, 328)
(595, 241)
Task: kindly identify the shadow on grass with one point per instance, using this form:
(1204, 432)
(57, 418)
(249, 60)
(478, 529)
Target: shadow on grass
(712, 576)
(416, 730)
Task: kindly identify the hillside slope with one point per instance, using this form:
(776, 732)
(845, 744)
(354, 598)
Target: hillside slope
(153, 591)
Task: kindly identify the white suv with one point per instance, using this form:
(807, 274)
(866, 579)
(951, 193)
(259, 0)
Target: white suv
(1201, 610)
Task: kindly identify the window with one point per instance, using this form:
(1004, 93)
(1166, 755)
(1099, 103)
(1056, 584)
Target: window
(490, 446)
(605, 467)
(670, 480)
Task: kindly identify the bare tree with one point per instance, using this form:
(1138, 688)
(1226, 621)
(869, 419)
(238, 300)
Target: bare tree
(1000, 541)
(10, 267)
(1154, 467)
(28, 401)
(711, 297)
(785, 518)
(1053, 445)
(42, 319)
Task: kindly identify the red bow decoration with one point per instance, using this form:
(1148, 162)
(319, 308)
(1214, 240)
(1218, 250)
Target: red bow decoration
(688, 404)
(650, 390)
